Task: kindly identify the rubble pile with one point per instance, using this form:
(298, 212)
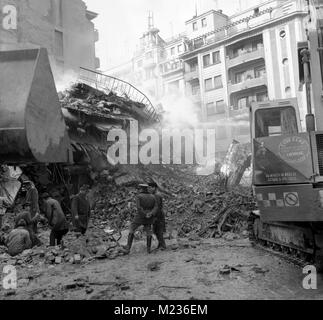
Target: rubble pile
(85, 99)
(193, 205)
(98, 244)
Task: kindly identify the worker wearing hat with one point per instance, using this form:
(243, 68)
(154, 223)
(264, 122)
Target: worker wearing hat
(159, 226)
(31, 201)
(146, 211)
(81, 210)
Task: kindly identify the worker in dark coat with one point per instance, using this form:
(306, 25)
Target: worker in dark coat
(159, 226)
(146, 211)
(31, 201)
(81, 210)
(26, 216)
(56, 220)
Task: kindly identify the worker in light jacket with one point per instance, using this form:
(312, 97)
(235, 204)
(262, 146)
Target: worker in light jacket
(56, 220)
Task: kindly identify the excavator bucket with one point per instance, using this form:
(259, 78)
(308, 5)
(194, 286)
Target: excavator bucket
(32, 127)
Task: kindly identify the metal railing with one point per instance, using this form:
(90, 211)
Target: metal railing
(121, 88)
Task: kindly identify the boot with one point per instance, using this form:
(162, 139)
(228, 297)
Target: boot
(149, 239)
(161, 242)
(129, 244)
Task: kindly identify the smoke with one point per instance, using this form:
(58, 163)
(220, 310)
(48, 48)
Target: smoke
(179, 112)
(65, 80)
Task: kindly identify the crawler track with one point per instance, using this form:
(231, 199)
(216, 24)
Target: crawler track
(290, 253)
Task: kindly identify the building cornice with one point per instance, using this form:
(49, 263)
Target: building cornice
(245, 33)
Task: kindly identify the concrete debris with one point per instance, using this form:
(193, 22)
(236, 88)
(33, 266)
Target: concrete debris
(154, 266)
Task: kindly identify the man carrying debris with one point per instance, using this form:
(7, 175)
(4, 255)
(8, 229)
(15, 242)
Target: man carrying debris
(56, 220)
(146, 210)
(81, 210)
(159, 226)
(18, 239)
(32, 201)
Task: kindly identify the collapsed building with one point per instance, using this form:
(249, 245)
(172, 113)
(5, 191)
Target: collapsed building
(60, 143)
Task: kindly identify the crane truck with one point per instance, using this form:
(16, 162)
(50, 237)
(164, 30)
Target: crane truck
(288, 161)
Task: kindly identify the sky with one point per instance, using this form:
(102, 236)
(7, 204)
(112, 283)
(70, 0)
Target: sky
(122, 22)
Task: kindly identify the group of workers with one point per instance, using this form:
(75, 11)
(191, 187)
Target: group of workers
(24, 235)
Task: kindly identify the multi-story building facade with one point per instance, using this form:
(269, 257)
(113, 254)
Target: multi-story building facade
(64, 27)
(228, 62)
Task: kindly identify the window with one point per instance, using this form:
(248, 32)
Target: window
(208, 84)
(206, 60)
(149, 74)
(276, 121)
(204, 23)
(172, 51)
(195, 88)
(210, 108)
(59, 44)
(58, 13)
(218, 82)
(220, 106)
(242, 103)
(216, 57)
(173, 86)
(149, 55)
(180, 48)
(238, 77)
(139, 64)
(194, 26)
(254, 46)
(262, 96)
(260, 71)
(193, 65)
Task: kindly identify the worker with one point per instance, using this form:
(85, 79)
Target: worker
(146, 210)
(2, 210)
(159, 226)
(81, 210)
(32, 201)
(18, 239)
(26, 216)
(56, 220)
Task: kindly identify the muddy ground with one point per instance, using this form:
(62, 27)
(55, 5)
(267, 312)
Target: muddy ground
(206, 269)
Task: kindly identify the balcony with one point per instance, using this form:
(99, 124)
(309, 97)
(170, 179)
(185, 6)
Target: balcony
(149, 63)
(248, 23)
(246, 57)
(191, 75)
(169, 68)
(247, 84)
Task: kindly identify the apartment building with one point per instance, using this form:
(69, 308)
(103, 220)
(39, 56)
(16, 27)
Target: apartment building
(224, 63)
(253, 57)
(64, 27)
